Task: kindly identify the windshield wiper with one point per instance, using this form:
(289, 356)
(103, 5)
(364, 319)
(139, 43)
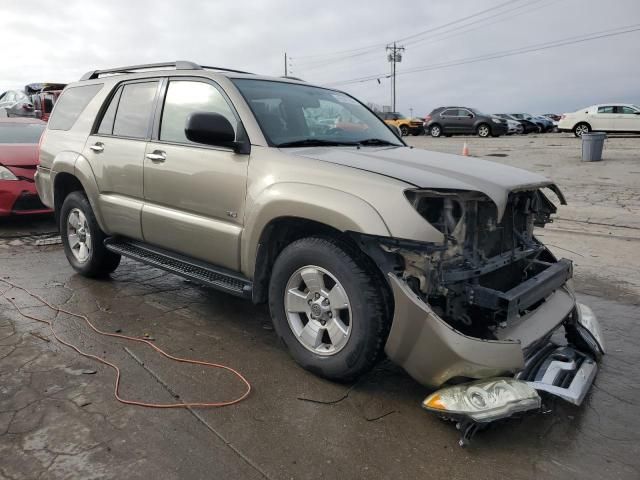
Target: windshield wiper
(376, 141)
(316, 142)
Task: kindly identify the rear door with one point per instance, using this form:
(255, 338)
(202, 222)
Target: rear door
(627, 119)
(450, 120)
(194, 193)
(116, 153)
(603, 118)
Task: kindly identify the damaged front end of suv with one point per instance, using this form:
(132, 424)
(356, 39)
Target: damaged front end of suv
(488, 310)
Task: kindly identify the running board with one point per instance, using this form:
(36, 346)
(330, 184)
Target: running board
(186, 267)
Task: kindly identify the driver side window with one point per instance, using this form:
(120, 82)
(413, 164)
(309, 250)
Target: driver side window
(185, 97)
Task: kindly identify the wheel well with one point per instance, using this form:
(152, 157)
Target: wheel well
(65, 183)
(281, 232)
(582, 123)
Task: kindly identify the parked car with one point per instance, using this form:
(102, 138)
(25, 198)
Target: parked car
(514, 127)
(361, 245)
(527, 126)
(16, 103)
(609, 117)
(463, 121)
(544, 124)
(406, 125)
(18, 159)
(43, 103)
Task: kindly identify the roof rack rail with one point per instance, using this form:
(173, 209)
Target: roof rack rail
(178, 65)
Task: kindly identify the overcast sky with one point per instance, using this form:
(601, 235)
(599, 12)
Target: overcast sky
(59, 41)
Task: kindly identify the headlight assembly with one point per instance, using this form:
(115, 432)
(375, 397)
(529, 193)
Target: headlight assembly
(588, 320)
(443, 210)
(484, 400)
(6, 174)
(495, 120)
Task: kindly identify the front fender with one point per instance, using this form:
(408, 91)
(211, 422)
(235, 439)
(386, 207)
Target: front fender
(335, 208)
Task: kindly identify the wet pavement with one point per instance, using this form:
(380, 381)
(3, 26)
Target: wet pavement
(59, 418)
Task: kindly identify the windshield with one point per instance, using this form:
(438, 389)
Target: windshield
(290, 114)
(21, 132)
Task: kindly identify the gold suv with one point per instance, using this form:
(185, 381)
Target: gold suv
(300, 196)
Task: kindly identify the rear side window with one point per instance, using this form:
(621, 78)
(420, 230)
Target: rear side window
(134, 109)
(451, 112)
(106, 125)
(605, 109)
(71, 104)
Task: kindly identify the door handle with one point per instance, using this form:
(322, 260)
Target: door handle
(97, 147)
(158, 156)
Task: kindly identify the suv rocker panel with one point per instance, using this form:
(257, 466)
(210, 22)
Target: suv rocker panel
(190, 268)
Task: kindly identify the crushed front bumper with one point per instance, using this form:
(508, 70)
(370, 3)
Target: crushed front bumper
(433, 352)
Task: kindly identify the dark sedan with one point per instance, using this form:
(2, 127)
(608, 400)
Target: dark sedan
(449, 121)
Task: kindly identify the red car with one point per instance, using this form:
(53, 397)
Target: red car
(19, 139)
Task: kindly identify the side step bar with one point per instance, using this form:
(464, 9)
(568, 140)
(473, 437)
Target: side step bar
(190, 268)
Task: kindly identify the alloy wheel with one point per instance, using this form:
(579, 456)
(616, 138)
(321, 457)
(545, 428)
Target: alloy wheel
(318, 310)
(483, 131)
(79, 235)
(581, 129)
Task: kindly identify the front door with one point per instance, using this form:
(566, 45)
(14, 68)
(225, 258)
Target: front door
(194, 194)
(116, 152)
(627, 119)
(466, 119)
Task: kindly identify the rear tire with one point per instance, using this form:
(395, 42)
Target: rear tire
(581, 128)
(356, 318)
(82, 238)
(435, 131)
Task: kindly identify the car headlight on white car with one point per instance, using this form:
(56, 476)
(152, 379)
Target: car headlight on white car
(484, 400)
(6, 174)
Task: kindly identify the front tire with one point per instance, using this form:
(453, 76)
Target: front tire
(82, 238)
(484, 130)
(404, 130)
(328, 305)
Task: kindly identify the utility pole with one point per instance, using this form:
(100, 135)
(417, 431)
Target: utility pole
(285, 64)
(395, 56)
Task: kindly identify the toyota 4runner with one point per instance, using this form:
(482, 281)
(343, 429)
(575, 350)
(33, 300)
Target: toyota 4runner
(361, 245)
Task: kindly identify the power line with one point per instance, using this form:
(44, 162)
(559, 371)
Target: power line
(379, 45)
(502, 54)
(434, 38)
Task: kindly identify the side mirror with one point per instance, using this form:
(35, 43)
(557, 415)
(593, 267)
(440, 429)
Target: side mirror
(470, 115)
(211, 129)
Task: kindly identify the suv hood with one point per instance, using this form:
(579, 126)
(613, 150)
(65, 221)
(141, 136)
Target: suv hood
(427, 169)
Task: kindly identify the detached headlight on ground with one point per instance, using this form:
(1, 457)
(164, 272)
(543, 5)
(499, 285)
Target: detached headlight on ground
(588, 320)
(484, 400)
(5, 174)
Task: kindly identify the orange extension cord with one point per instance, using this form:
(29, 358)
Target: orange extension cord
(115, 367)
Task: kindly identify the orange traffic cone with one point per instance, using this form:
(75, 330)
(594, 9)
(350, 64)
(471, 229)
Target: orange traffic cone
(465, 150)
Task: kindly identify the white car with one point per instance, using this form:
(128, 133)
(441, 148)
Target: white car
(606, 117)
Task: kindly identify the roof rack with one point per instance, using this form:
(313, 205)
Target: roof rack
(178, 65)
